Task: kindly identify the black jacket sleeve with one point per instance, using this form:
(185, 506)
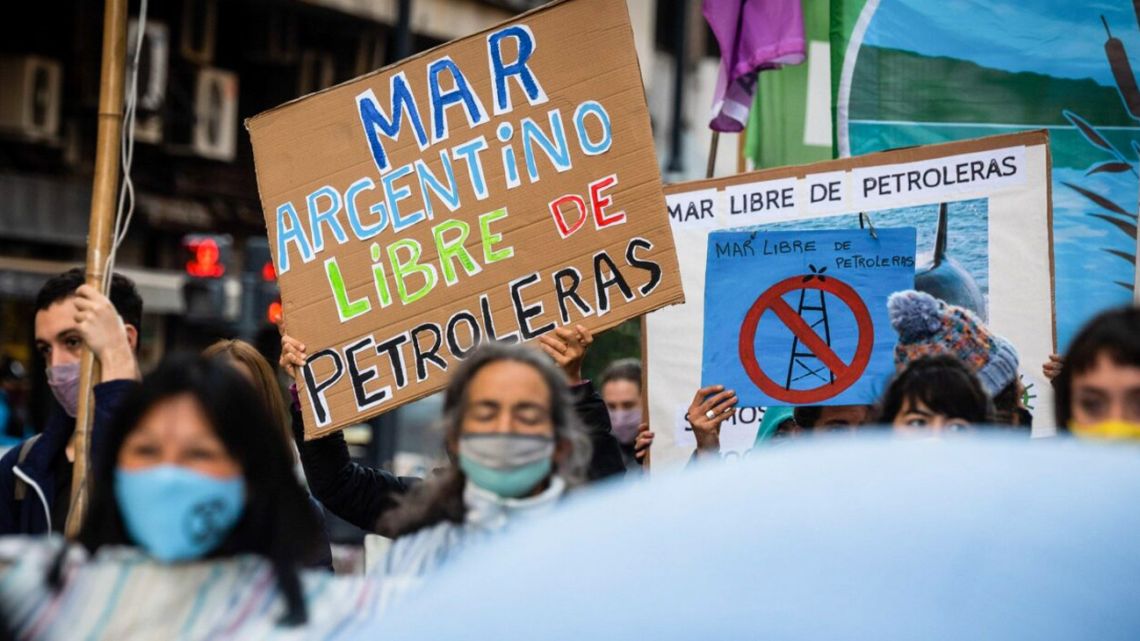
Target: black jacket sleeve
(108, 397)
(606, 458)
(355, 493)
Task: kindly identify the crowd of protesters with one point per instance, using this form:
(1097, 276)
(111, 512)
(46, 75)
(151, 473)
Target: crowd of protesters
(205, 457)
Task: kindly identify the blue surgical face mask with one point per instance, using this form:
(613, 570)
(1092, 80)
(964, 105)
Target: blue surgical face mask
(510, 465)
(177, 514)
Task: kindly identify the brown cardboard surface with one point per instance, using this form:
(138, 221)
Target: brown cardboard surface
(583, 51)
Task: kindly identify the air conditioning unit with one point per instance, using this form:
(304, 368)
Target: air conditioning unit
(30, 98)
(215, 114)
(201, 114)
(153, 71)
(199, 30)
(317, 71)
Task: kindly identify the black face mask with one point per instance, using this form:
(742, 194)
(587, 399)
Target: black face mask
(1024, 418)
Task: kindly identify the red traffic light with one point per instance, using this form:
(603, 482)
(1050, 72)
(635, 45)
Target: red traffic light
(268, 274)
(206, 258)
(273, 313)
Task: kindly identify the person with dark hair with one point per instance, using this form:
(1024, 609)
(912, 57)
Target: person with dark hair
(247, 361)
(621, 392)
(190, 470)
(935, 394)
(35, 476)
(514, 446)
(361, 495)
(928, 326)
(1097, 391)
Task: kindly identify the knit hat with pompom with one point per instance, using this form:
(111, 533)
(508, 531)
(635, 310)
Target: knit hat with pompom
(928, 326)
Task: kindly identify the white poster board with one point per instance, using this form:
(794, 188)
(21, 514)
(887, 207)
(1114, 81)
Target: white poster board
(1002, 181)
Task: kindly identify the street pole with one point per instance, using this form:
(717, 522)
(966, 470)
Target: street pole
(104, 195)
(680, 38)
(403, 37)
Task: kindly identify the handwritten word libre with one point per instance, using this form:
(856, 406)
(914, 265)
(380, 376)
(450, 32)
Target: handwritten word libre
(403, 196)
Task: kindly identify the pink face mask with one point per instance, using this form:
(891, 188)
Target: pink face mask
(64, 383)
(625, 424)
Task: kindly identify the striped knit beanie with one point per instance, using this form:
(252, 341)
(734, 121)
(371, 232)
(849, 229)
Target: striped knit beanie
(928, 326)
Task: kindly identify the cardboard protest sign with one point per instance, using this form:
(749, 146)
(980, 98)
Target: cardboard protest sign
(982, 213)
(493, 188)
(800, 317)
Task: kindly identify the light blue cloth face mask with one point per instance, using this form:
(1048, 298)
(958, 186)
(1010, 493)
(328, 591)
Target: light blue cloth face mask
(509, 465)
(177, 514)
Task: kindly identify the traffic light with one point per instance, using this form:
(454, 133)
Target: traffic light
(259, 281)
(207, 257)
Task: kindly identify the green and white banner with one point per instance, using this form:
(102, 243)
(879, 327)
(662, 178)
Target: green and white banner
(916, 72)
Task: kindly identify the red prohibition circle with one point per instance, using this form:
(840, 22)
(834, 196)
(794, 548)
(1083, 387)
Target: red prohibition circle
(845, 373)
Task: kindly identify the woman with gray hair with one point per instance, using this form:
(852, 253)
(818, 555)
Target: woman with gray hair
(514, 444)
(362, 495)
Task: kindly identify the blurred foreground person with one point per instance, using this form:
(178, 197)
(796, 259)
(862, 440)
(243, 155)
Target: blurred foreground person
(515, 446)
(1097, 392)
(190, 469)
(247, 361)
(994, 537)
(35, 475)
(935, 395)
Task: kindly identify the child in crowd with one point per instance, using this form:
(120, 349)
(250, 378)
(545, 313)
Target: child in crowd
(1097, 392)
(935, 395)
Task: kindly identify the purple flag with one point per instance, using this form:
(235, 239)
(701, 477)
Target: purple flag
(753, 35)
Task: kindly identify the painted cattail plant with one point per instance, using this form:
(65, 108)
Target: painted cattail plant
(1125, 80)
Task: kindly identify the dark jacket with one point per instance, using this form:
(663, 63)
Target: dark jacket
(605, 460)
(360, 495)
(355, 493)
(32, 514)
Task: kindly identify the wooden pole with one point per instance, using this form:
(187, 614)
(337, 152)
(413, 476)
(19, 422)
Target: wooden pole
(645, 386)
(710, 168)
(741, 163)
(104, 197)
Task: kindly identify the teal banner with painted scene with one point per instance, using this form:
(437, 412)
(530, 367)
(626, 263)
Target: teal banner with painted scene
(916, 72)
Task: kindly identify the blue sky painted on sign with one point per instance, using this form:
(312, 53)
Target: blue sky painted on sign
(1062, 38)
